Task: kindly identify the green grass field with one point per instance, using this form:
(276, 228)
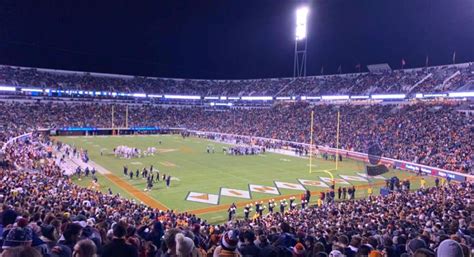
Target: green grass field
(197, 171)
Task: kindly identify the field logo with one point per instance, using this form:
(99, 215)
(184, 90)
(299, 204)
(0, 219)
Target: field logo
(312, 183)
(337, 180)
(366, 176)
(202, 198)
(286, 185)
(235, 193)
(264, 189)
(353, 178)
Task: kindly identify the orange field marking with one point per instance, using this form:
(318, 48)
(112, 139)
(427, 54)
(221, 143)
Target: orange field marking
(234, 192)
(136, 193)
(202, 197)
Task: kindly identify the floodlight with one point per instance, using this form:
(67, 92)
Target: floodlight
(301, 19)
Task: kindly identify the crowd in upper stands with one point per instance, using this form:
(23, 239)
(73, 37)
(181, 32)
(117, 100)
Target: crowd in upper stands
(44, 214)
(421, 80)
(437, 135)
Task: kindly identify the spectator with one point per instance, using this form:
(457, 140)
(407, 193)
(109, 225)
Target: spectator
(84, 248)
(118, 247)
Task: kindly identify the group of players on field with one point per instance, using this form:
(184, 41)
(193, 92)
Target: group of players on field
(151, 176)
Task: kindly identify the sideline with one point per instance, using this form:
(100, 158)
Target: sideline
(222, 207)
(150, 201)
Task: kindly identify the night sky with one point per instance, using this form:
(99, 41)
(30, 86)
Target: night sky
(231, 38)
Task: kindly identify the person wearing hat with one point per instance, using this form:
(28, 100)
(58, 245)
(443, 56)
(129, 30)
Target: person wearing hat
(298, 250)
(449, 248)
(18, 236)
(185, 246)
(336, 253)
(228, 245)
(414, 245)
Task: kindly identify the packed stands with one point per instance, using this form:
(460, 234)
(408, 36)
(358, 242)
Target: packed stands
(437, 135)
(44, 214)
(420, 80)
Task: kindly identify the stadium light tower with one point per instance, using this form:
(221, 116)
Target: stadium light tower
(299, 67)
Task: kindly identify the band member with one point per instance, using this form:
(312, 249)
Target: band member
(168, 180)
(282, 205)
(292, 203)
(247, 211)
(131, 174)
(271, 205)
(261, 209)
(232, 210)
(303, 204)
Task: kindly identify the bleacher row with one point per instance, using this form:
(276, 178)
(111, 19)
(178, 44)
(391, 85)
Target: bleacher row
(421, 80)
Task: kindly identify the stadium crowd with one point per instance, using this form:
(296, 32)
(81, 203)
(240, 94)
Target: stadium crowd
(432, 134)
(44, 214)
(421, 80)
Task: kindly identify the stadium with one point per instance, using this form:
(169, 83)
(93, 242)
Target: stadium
(282, 157)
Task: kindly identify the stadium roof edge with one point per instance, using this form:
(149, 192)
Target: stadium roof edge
(123, 76)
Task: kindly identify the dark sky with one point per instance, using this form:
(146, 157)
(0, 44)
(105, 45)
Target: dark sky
(231, 38)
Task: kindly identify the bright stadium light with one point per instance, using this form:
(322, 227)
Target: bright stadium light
(301, 20)
(301, 41)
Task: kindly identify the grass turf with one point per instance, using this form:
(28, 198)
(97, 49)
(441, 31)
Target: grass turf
(198, 171)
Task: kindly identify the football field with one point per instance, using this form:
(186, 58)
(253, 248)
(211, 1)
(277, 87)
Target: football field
(207, 183)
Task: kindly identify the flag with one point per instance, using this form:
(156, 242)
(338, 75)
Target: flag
(339, 69)
(427, 60)
(454, 57)
(403, 63)
(376, 170)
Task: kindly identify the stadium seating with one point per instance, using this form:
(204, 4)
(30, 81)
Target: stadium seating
(43, 209)
(421, 80)
(437, 135)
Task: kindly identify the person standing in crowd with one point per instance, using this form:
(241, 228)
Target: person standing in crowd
(84, 248)
(248, 248)
(118, 247)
